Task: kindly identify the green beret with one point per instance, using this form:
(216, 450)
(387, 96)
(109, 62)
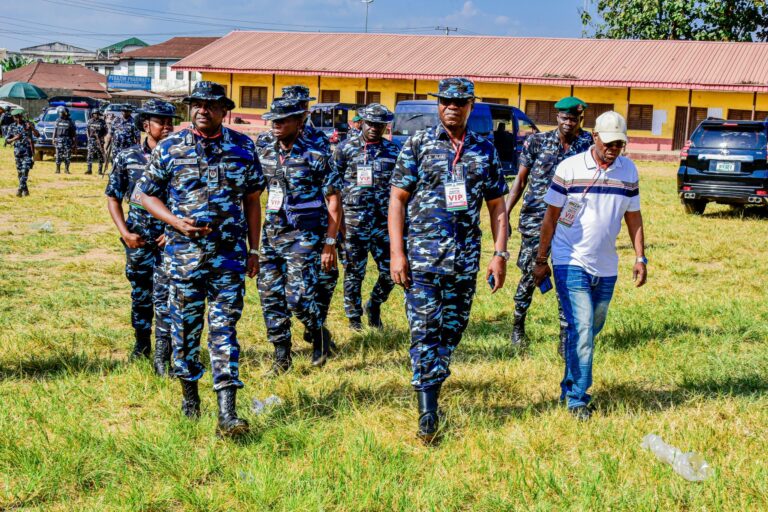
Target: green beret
(571, 105)
(356, 119)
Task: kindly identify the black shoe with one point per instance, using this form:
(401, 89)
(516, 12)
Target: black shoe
(561, 344)
(190, 403)
(519, 339)
(66, 170)
(320, 347)
(58, 169)
(19, 193)
(356, 324)
(101, 171)
(142, 348)
(89, 170)
(374, 315)
(283, 361)
(162, 356)
(229, 424)
(25, 192)
(581, 413)
(429, 415)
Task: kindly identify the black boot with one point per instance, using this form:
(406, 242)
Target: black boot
(89, 169)
(320, 347)
(101, 169)
(162, 356)
(332, 348)
(283, 361)
(374, 315)
(190, 403)
(229, 424)
(356, 324)
(518, 333)
(143, 346)
(25, 191)
(58, 168)
(66, 169)
(563, 339)
(19, 192)
(429, 416)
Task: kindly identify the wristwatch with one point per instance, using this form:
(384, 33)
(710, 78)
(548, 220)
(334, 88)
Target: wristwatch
(330, 241)
(254, 252)
(502, 254)
(641, 259)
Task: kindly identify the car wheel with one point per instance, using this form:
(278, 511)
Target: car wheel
(694, 207)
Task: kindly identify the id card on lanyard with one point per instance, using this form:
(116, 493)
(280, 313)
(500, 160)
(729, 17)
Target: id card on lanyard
(455, 186)
(276, 192)
(574, 205)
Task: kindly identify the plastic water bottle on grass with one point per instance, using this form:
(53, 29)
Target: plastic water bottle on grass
(259, 407)
(690, 465)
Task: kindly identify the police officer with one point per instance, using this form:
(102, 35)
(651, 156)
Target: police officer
(142, 236)
(300, 233)
(365, 163)
(96, 130)
(64, 139)
(20, 134)
(541, 154)
(442, 176)
(123, 133)
(213, 181)
(355, 126)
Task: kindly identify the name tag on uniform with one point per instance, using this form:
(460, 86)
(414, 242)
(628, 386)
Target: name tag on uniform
(275, 200)
(570, 212)
(213, 175)
(136, 197)
(136, 166)
(184, 161)
(364, 175)
(455, 196)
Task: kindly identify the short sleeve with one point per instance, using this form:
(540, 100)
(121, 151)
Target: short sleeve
(528, 153)
(339, 161)
(117, 187)
(254, 176)
(158, 174)
(634, 197)
(406, 173)
(495, 185)
(557, 195)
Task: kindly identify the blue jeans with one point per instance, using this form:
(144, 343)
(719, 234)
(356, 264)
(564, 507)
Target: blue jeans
(585, 300)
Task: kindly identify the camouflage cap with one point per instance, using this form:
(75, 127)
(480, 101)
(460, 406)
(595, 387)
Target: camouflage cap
(282, 108)
(297, 92)
(456, 87)
(158, 108)
(210, 91)
(123, 107)
(571, 105)
(376, 113)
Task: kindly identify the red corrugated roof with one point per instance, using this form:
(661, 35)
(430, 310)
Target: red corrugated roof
(174, 48)
(587, 62)
(61, 76)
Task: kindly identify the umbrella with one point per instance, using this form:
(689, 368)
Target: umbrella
(22, 91)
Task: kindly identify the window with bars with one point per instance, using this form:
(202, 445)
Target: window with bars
(163, 70)
(499, 101)
(330, 96)
(179, 75)
(746, 115)
(640, 117)
(593, 111)
(131, 68)
(541, 112)
(373, 97)
(151, 69)
(253, 97)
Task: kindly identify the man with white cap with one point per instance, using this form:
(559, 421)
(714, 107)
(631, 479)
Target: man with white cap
(590, 193)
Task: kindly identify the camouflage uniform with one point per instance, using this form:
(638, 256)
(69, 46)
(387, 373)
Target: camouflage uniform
(97, 130)
(144, 266)
(443, 246)
(22, 152)
(365, 217)
(206, 179)
(64, 131)
(124, 134)
(292, 238)
(542, 152)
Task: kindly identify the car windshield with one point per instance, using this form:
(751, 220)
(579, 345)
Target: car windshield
(408, 120)
(77, 116)
(329, 118)
(730, 137)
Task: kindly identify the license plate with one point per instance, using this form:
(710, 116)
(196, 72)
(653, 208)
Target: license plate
(726, 166)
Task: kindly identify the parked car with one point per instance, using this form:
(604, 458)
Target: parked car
(80, 109)
(506, 126)
(724, 162)
(332, 119)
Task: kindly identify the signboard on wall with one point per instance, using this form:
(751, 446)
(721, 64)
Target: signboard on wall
(130, 83)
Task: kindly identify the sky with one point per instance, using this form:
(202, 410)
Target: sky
(93, 24)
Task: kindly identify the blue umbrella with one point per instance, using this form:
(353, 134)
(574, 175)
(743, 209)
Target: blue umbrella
(22, 91)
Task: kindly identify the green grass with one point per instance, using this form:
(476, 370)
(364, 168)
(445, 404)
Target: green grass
(684, 357)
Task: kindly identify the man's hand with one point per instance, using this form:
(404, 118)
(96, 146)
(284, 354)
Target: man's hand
(160, 241)
(186, 227)
(498, 269)
(328, 258)
(252, 267)
(400, 271)
(639, 274)
(540, 272)
(133, 241)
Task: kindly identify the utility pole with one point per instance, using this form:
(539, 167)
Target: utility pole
(367, 4)
(448, 30)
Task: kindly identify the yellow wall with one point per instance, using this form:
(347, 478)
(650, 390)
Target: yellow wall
(664, 101)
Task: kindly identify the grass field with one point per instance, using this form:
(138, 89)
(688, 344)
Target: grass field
(684, 357)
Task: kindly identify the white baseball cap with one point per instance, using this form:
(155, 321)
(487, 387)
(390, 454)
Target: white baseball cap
(611, 126)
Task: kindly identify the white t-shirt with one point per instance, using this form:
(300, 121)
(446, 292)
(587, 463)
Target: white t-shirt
(605, 195)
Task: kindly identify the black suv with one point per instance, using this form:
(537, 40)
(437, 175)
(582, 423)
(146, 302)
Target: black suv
(724, 162)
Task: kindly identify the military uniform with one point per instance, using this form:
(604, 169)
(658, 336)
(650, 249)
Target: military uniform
(124, 134)
(22, 152)
(206, 179)
(443, 242)
(144, 265)
(64, 133)
(97, 130)
(366, 170)
(292, 239)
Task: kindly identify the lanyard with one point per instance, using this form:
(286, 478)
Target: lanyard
(365, 150)
(457, 148)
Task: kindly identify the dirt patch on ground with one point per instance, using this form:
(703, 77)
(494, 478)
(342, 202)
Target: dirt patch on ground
(100, 255)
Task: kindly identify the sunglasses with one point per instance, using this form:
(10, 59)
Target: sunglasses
(617, 144)
(459, 102)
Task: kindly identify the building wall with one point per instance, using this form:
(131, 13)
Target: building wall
(664, 102)
(169, 85)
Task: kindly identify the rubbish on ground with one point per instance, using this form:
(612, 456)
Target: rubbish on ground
(690, 465)
(260, 407)
(43, 227)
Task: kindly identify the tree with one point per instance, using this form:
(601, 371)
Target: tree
(700, 20)
(15, 61)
